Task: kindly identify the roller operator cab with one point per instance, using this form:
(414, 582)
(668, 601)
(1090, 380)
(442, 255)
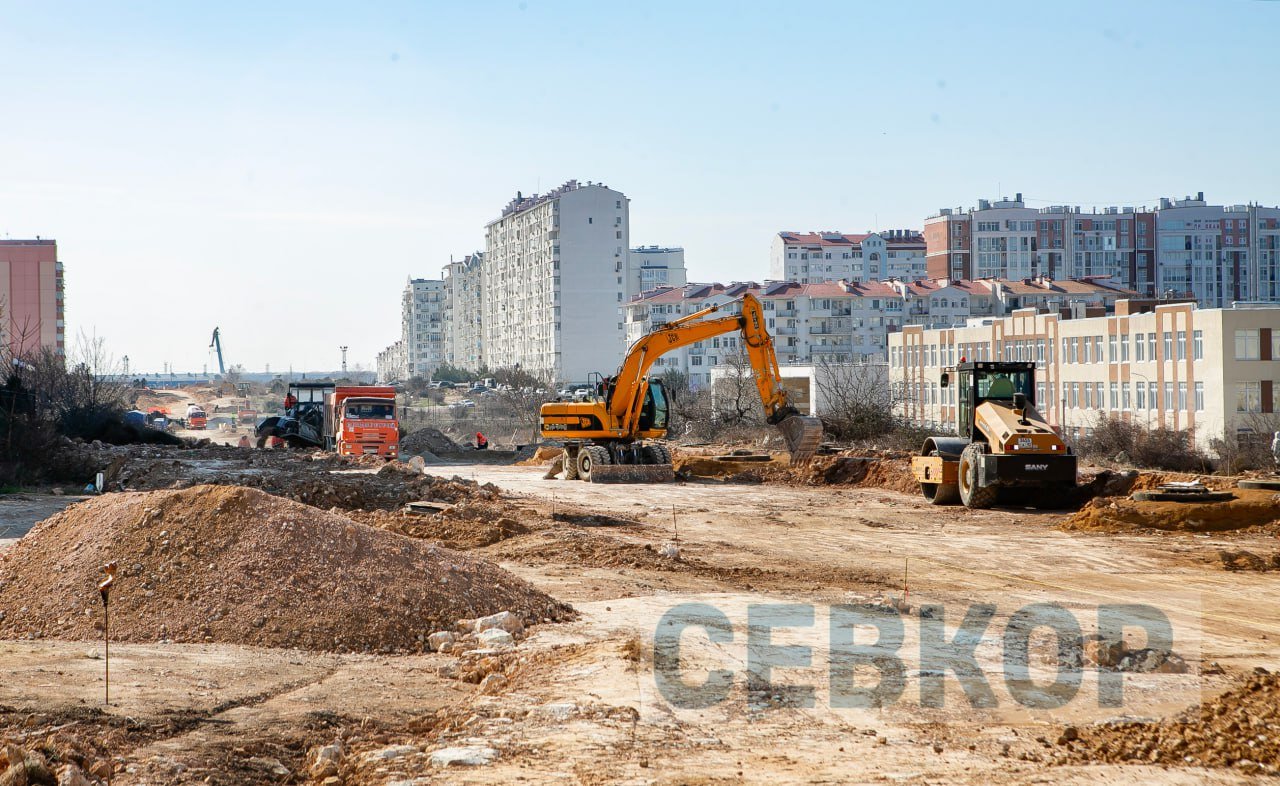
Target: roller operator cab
(1003, 449)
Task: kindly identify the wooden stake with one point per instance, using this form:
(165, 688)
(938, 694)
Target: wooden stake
(675, 525)
(905, 591)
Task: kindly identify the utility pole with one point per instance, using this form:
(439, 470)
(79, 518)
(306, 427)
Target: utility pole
(344, 360)
(125, 360)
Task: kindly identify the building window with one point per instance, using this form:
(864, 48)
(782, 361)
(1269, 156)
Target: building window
(1152, 397)
(1168, 345)
(1182, 396)
(1197, 345)
(1275, 349)
(1111, 349)
(1124, 397)
(1248, 395)
(1139, 349)
(1124, 350)
(1199, 397)
(1115, 395)
(1151, 347)
(1182, 345)
(1247, 347)
(1168, 395)
(1140, 391)
(1097, 349)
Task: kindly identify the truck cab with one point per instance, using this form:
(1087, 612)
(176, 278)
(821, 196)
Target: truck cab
(361, 420)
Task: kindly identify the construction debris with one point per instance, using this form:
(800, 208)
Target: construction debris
(1236, 729)
(236, 565)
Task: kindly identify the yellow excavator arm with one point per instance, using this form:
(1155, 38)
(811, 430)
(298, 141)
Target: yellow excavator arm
(627, 389)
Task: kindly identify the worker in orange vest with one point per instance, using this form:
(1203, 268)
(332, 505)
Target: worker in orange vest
(481, 442)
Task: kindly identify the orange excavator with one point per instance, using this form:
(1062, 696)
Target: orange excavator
(609, 437)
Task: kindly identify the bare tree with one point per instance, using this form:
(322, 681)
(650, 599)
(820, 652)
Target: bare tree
(735, 397)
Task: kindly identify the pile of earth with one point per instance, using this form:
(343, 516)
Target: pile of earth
(427, 440)
(870, 471)
(1236, 729)
(302, 478)
(1251, 508)
(468, 525)
(236, 565)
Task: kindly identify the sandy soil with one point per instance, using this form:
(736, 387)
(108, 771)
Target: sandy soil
(582, 704)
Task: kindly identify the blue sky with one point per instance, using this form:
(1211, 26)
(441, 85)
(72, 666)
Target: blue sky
(280, 171)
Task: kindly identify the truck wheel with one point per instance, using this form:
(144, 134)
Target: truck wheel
(588, 458)
(570, 464)
(971, 494)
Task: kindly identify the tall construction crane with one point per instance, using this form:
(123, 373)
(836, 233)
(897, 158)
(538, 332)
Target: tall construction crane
(216, 343)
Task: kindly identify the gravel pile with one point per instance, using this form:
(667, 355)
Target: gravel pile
(236, 565)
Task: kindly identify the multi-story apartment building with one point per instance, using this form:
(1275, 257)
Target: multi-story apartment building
(651, 267)
(1218, 254)
(845, 322)
(463, 284)
(422, 325)
(391, 364)
(1210, 371)
(1183, 248)
(31, 296)
(554, 278)
(814, 257)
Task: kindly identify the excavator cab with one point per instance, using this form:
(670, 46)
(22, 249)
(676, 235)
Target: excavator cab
(653, 413)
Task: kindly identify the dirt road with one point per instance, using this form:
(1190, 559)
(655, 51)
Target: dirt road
(587, 704)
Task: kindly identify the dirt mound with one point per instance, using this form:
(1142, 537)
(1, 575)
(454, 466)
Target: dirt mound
(465, 527)
(311, 482)
(235, 565)
(543, 455)
(876, 471)
(1150, 481)
(1250, 508)
(1236, 729)
(431, 440)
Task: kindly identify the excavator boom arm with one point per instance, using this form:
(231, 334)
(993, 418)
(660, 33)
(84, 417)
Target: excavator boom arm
(629, 386)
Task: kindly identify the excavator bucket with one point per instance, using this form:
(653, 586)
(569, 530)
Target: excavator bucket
(803, 435)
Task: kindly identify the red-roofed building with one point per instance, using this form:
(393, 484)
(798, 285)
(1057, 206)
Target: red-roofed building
(843, 321)
(812, 257)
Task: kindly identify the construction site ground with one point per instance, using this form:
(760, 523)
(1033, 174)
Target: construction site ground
(579, 702)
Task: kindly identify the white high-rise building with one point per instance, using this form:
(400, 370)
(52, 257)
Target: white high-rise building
(650, 267)
(554, 278)
(462, 326)
(422, 325)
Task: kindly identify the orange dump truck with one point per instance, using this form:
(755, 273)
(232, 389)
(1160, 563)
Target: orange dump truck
(362, 420)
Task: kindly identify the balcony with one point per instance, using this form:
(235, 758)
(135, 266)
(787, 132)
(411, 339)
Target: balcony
(789, 312)
(785, 331)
